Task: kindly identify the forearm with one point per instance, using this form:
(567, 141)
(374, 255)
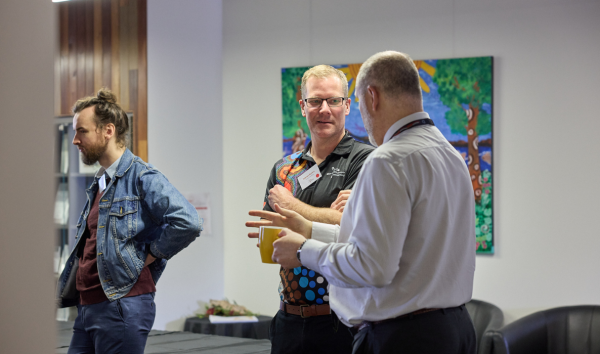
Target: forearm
(323, 215)
(342, 264)
(176, 236)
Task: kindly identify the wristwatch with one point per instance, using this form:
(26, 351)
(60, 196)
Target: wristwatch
(300, 250)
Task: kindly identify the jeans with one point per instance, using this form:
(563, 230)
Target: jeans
(121, 326)
(445, 331)
(292, 334)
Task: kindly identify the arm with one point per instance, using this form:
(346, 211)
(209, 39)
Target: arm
(339, 203)
(169, 209)
(280, 195)
(285, 249)
(373, 232)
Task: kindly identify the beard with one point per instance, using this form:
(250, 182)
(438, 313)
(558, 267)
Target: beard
(94, 152)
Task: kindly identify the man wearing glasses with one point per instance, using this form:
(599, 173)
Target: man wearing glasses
(315, 183)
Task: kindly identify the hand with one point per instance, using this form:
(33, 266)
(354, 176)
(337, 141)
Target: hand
(286, 247)
(280, 195)
(149, 259)
(340, 202)
(284, 218)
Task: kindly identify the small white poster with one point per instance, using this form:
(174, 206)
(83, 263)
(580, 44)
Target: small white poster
(201, 201)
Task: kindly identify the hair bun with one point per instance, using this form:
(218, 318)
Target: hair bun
(106, 95)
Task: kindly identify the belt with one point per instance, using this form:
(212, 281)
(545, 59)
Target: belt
(305, 311)
(364, 324)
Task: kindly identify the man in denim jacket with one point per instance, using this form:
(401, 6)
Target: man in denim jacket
(133, 222)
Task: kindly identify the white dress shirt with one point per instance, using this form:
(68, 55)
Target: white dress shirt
(407, 235)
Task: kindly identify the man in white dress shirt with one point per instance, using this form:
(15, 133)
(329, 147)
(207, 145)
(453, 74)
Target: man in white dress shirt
(401, 263)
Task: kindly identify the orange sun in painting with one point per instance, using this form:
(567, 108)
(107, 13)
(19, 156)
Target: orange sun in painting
(351, 72)
(426, 68)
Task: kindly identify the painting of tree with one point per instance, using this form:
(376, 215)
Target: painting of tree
(464, 86)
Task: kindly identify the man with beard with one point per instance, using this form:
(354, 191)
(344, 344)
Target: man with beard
(134, 220)
(305, 323)
(401, 264)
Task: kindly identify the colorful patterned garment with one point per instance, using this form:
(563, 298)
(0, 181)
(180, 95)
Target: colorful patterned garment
(299, 285)
(289, 169)
(311, 288)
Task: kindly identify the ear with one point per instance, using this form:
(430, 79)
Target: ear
(347, 105)
(109, 131)
(374, 96)
(302, 107)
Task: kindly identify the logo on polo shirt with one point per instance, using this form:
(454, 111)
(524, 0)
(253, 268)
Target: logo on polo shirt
(335, 172)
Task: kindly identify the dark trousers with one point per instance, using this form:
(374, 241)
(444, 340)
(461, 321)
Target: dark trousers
(446, 331)
(291, 334)
(121, 326)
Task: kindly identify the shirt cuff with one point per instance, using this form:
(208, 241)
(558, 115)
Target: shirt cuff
(324, 232)
(310, 254)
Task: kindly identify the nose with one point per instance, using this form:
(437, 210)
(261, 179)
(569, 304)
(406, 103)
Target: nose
(325, 107)
(75, 140)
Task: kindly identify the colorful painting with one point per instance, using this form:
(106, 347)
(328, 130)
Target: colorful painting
(457, 94)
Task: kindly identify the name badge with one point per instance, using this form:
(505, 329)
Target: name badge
(309, 177)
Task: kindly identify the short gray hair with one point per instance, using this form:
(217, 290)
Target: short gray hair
(394, 73)
(321, 72)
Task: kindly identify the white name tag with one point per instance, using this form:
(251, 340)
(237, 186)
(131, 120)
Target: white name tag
(309, 177)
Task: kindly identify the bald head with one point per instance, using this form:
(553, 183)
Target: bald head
(393, 73)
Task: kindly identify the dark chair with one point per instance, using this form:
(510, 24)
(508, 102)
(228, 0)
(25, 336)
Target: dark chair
(485, 317)
(562, 330)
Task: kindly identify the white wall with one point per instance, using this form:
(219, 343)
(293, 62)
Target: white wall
(185, 141)
(27, 46)
(546, 182)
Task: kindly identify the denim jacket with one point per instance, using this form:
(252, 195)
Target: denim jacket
(140, 212)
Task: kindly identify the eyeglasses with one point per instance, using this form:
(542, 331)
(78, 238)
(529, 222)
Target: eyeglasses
(331, 101)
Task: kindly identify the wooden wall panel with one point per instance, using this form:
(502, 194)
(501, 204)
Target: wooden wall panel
(103, 44)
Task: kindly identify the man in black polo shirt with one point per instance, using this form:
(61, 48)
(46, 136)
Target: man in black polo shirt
(309, 182)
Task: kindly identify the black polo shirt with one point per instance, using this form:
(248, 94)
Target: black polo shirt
(339, 172)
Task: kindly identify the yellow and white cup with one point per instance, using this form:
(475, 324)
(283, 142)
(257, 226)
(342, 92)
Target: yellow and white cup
(266, 237)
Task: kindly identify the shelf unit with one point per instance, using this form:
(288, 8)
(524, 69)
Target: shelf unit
(70, 187)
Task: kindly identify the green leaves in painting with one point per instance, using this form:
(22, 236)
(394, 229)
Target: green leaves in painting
(465, 83)
(290, 94)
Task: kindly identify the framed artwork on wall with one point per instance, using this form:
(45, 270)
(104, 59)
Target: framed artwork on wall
(457, 94)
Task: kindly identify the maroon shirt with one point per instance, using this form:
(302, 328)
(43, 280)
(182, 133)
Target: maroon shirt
(88, 281)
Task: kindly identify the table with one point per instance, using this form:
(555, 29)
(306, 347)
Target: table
(166, 342)
(255, 330)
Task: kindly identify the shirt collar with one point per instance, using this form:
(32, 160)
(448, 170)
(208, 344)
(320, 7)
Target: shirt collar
(400, 123)
(344, 146)
(109, 171)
